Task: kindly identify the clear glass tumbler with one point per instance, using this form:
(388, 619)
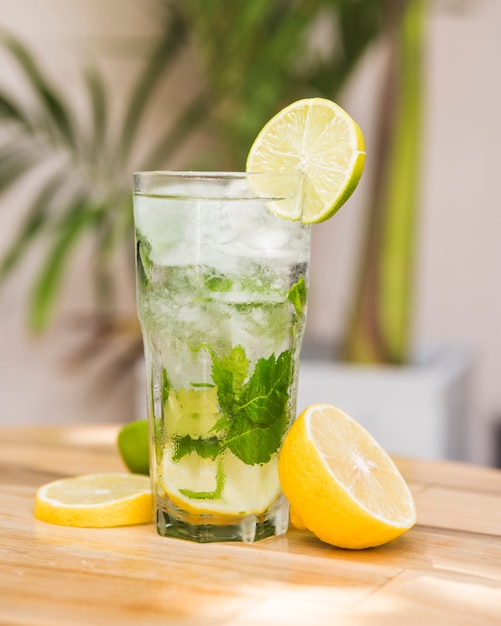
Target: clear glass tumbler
(221, 297)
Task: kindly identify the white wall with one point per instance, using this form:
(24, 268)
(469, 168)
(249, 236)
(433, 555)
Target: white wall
(457, 299)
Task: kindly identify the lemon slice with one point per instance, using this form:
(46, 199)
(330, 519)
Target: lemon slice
(224, 486)
(96, 501)
(316, 140)
(341, 484)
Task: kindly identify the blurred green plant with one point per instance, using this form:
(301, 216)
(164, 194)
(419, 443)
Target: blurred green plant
(85, 188)
(252, 58)
(379, 329)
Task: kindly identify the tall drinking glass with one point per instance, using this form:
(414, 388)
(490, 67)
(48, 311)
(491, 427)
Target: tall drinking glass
(221, 297)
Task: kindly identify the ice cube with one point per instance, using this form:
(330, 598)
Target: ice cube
(266, 239)
(171, 227)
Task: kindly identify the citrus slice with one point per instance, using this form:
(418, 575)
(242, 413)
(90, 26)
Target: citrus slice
(96, 501)
(318, 141)
(341, 484)
(132, 444)
(224, 486)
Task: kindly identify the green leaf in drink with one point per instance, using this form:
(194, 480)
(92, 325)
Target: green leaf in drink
(298, 294)
(205, 448)
(144, 263)
(265, 394)
(261, 417)
(219, 284)
(254, 410)
(229, 373)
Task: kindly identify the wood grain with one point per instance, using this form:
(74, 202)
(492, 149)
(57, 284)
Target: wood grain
(446, 570)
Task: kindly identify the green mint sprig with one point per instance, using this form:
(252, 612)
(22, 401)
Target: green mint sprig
(255, 412)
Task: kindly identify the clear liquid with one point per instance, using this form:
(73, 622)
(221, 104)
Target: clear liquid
(221, 299)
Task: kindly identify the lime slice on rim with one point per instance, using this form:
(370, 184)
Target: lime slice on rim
(317, 140)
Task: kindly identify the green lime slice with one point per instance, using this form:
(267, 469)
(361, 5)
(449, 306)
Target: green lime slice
(318, 142)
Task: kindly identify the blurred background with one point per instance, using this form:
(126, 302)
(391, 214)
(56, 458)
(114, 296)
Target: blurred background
(93, 90)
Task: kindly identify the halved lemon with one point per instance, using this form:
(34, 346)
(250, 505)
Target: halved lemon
(341, 484)
(96, 501)
(316, 140)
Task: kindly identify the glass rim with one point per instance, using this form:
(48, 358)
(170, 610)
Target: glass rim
(206, 174)
(254, 185)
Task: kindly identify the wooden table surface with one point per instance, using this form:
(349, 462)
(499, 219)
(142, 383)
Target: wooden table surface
(445, 571)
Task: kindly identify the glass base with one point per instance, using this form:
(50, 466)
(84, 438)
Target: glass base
(208, 528)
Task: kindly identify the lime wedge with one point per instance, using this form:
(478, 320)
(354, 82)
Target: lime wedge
(318, 141)
(133, 446)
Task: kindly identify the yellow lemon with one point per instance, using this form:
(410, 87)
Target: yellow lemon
(341, 484)
(96, 501)
(317, 142)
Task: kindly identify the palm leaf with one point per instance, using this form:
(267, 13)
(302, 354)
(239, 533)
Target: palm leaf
(162, 56)
(15, 160)
(186, 123)
(54, 106)
(47, 284)
(103, 275)
(10, 111)
(247, 53)
(36, 219)
(99, 108)
(356, 28)
(270, 76)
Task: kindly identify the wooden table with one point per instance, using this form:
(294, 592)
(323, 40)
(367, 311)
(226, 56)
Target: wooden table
(445, 571)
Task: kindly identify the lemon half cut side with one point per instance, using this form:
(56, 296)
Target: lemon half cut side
(341, 484)
(317, 141)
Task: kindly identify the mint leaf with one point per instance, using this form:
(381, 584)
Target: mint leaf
(265, 394)
(217, 283)
(255, 444)
(298, 294)
(182, 446)
(205, 448)
(144, 263)
(165, 386)
(229, 373)
(223, 423)
(260, 415)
